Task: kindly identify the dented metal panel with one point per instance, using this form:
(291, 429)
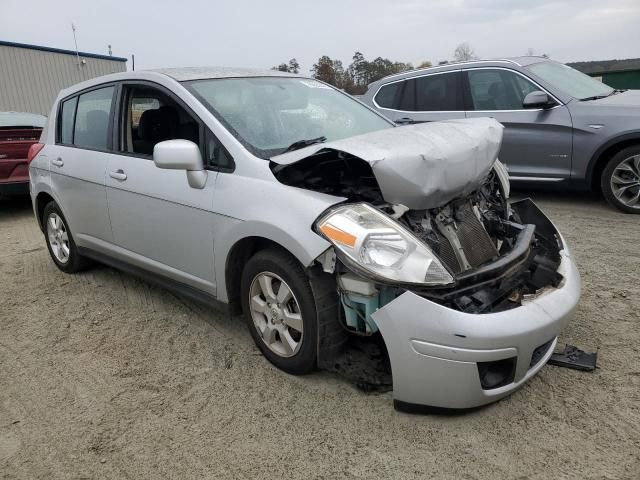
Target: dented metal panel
(421, 166)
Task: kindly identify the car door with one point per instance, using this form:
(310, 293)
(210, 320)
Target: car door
(78, 162)
(159, 222)
(537, 143)
(426, 98)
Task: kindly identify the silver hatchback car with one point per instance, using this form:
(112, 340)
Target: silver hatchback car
(325, 223)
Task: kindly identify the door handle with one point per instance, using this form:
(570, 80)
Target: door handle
(118, 175)
(57, 162)
(404, 121)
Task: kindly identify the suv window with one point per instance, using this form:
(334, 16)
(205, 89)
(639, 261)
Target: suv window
(498, 89)
(431, 93)
(92, 119)
(67, 116)
(388, 95)
(437, 92)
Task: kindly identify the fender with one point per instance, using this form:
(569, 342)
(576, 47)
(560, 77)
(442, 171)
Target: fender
(305, 249)
(633, 135)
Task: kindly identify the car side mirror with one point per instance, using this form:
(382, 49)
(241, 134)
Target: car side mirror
(181, 155)
(537, 99)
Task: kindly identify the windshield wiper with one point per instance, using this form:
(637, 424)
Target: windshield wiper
(304, 143)
(595, 97)
(598, 97)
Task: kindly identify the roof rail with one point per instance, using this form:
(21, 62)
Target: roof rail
(464, 62)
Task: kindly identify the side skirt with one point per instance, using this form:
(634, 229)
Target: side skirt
(156, 279)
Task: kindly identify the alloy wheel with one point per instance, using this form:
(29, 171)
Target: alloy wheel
(58, 237)
(276, 314)
(625, 182)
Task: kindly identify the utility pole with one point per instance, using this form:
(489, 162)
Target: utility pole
(75, 40)
(110, 52)
(133, 62)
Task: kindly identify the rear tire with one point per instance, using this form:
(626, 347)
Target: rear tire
(620, 181)
(62, 248)
(281, 310)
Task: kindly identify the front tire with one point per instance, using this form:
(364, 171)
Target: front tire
(62, 248)
(280, 310)
(620, 180)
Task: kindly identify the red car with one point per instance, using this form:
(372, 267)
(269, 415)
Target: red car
(18, 132)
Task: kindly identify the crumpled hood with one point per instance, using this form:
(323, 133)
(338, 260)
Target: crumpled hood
(421, 166)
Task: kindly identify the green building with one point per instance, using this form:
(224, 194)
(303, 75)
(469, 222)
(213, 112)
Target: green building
(623, 74)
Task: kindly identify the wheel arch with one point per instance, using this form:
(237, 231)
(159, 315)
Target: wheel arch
(246, 240)
(602, 156)
(42, 199)
(238, 256)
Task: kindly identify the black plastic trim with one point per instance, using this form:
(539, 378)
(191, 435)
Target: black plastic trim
(157, 279)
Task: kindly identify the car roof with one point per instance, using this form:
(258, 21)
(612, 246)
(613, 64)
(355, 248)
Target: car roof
(514, 61)
(177, 75)
(201, 73)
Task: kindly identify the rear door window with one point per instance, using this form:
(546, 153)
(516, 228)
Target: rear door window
(67, 116)
(92, 119)
(433, 93)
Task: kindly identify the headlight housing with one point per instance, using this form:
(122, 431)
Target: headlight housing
(381, 247)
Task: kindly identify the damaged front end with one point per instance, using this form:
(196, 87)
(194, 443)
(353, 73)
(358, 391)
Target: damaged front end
(453, 281)
(442, 183)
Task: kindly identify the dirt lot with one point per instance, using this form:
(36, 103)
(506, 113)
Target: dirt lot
(104, 376)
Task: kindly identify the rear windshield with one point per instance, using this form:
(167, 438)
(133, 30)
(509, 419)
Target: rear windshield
(268, 114)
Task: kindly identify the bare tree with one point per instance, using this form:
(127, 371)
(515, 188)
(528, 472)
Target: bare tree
(530, 52)
(463, 52)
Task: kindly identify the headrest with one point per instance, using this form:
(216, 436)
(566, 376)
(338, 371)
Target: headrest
(157, 125)
(146, 126)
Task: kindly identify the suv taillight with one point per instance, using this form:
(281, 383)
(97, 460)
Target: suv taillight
(33, 151)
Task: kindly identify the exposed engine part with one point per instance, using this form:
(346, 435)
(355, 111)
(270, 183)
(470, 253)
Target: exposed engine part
(334, 173)
(360, 298)
(448, 228)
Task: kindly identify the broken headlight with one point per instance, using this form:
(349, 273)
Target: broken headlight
(381, 247)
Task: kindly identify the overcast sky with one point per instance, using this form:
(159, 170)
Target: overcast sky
(262, 34)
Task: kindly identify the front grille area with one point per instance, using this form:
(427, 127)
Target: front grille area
(474, 239)
(447, 255)
(539, 352)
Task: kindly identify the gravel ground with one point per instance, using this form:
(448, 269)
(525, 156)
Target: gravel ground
(105, 376)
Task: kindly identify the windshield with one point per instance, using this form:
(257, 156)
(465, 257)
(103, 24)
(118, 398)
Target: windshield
(271, 114)
(570, 81)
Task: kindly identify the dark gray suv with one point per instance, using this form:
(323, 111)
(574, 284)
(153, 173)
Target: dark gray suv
(561, 125)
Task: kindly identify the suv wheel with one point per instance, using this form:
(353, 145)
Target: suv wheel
(280, 310)
(60, 242)
(621, 180)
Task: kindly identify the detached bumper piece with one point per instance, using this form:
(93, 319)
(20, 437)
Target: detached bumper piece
(573, 357)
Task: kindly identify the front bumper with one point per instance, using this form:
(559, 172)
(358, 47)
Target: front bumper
(435, 351)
